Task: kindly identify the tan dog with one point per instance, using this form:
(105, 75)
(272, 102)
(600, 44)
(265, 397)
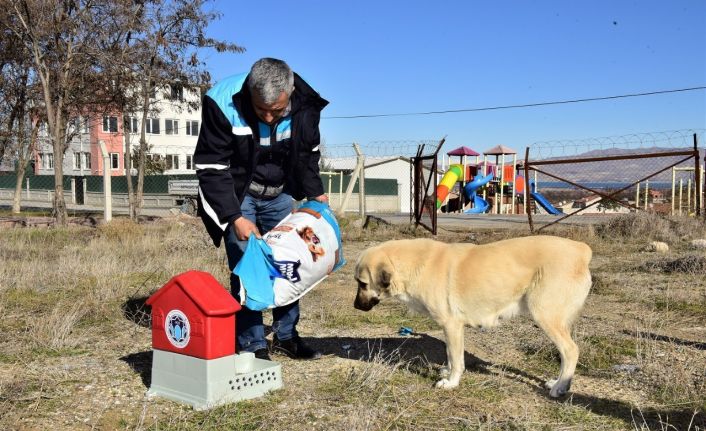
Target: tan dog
(477, 285)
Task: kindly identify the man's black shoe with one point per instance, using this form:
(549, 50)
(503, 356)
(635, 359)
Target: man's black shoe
(262, 354)
(295, 349)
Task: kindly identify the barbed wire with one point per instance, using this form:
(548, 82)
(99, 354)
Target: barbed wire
(636, 142)
(382, 149)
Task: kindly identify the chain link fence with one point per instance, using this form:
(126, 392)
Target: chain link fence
(659, 172)
(386, 175)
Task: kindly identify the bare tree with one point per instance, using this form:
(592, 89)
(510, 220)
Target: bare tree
(165, 57)
(91, 56)
(15, 73)
(60, 37)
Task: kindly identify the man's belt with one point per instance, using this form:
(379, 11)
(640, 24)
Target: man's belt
(262, 191)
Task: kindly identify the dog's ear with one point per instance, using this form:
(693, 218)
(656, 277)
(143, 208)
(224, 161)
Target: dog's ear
(385, 276)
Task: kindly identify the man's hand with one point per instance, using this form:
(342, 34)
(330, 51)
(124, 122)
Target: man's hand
(244, 227)
(323, 199)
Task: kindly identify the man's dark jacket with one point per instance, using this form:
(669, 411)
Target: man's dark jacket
(229, 142)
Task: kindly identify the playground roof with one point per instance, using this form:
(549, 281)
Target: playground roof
(462, 151)
(499, 150)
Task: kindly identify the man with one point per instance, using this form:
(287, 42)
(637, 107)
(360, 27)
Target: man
(257, 149)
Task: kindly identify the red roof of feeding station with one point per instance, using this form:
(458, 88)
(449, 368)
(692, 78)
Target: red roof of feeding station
(462, 151)
(204, 290)
(499, 150)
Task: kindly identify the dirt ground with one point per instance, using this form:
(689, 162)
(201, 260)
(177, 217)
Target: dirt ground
(642, 336)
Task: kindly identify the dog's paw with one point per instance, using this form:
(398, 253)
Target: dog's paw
(558, 389)
(446, 384)
(557, 392)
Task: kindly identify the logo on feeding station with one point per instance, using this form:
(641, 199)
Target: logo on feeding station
(177, 328)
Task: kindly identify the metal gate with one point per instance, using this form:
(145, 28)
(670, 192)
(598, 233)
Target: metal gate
(423, 177)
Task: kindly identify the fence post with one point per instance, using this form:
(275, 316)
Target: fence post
(697, 177)
(528, 191)
(107, 187)
(354, 178)
(361, 190)
(674, 185)
(73, 190)
(340, 188)
(28, 196)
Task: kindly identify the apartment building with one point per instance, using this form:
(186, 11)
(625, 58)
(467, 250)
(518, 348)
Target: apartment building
(171, 134)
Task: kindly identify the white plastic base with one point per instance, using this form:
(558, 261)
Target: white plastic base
(204, 384)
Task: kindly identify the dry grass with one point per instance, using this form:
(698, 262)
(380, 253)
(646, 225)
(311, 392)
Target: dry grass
(75, 347)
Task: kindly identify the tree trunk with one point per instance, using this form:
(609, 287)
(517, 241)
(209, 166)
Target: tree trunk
(143, 144)
(128, 168)
(20, 168)
(59, 203)
(25, 155)
(17, 198)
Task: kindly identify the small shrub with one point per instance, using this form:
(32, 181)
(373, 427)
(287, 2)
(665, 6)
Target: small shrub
(646, 226)
(688, 264)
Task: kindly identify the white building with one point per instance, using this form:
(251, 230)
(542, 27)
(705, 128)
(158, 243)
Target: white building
(173, 130)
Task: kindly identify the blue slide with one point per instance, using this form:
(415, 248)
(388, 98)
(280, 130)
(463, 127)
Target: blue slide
(480, 205)
(543, 202)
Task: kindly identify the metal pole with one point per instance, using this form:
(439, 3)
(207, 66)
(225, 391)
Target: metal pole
(681, 185)
(674, 179)
(502, 184)
(527, 184)
(637, 195)
(647, 187)
(514, 178)
(697, 177)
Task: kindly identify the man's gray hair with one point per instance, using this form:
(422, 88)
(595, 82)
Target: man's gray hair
(269, 77)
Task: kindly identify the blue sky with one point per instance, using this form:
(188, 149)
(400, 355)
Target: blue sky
(381, 57)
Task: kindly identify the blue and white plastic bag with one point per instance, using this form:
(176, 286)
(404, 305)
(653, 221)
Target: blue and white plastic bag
(290, 259)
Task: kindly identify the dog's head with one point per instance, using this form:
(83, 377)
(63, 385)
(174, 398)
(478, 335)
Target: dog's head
(307, 233)
(374, 274)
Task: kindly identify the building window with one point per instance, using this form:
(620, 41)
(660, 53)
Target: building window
(46, 160)
(192, 127)
(84, 125)
(77, 161)
(152, 126)
(114, 161)
(176, 93)
(131, 125)
(110, 124)
(189, 162)
(86, 160)
(171, 127)
(172, 161)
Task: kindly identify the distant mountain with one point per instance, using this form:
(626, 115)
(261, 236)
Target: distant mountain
(621, 171)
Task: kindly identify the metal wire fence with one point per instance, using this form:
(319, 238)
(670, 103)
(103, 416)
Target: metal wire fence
(386, 173)
(660, 172)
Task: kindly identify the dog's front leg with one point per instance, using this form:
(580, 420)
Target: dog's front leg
(453, 331)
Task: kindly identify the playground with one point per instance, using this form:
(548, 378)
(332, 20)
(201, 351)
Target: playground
(488, 187)
(550, 181)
